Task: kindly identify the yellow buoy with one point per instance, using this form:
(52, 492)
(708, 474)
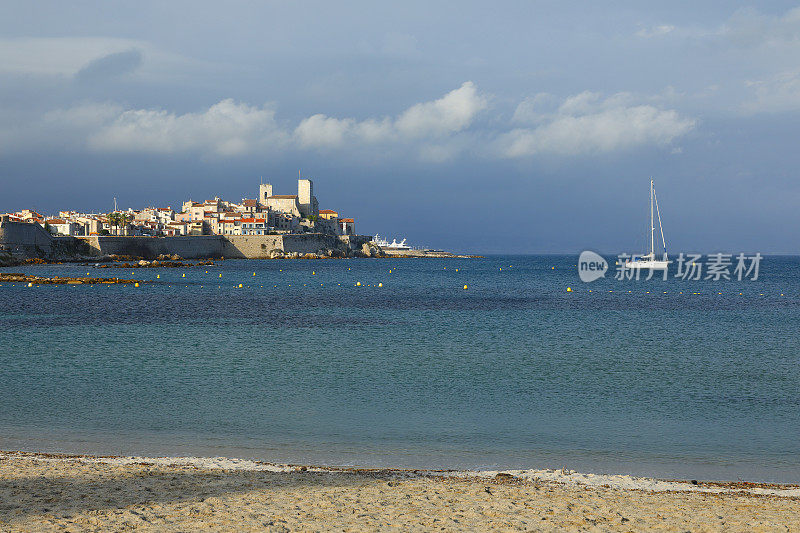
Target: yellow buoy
(456, 270)
(158, 276)
(183, 275)
(135, 284)
(206, 271)
(220, 275)
(465, 287)
(358, 284)
(381, 285)
(254, 273)
(240, 285)
(313, 273)
(30, 284)
(569, 289)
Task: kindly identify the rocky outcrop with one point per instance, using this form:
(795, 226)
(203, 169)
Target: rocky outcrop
(370, 249)
(7, 260)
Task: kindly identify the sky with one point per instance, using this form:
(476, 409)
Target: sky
(503, 127)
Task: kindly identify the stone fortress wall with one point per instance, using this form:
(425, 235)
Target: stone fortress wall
(31, 240)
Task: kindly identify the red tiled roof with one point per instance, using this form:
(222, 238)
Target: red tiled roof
(328, 212)
(249, 203)
(350, 220)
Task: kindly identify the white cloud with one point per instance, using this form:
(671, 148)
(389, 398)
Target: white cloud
(321, 130)
(438, 119)
(226, 128)
(229, 128)
(586, 124)
(451, 113)
(435, 131)
(532, 108)
(748, 27)
(779, 93)
(655, 31)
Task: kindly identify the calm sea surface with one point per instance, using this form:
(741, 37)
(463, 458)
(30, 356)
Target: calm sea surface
(514, 372)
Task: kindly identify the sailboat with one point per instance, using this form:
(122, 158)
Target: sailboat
(649, 260)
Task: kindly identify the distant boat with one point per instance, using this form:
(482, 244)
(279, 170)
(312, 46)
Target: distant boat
(394, 245)
(649, 260)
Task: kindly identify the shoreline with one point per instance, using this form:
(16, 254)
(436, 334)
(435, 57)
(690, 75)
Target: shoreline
(555, 476)
(54, 492)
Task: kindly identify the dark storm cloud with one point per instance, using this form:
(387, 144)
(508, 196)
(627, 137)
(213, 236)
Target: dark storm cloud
(110, 66)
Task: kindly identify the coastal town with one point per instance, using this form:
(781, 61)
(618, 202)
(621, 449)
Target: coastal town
(267, 214)
(269, 226)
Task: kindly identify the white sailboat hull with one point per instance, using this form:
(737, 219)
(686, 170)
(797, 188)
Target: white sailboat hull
(655, 265)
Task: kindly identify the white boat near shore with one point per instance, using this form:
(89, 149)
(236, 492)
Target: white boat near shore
(394, 245)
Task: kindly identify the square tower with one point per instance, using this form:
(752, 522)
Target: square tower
(264, 192)
(305, 197)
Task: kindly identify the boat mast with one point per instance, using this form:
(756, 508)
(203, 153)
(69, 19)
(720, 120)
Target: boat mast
(652, 227)
(660, 227)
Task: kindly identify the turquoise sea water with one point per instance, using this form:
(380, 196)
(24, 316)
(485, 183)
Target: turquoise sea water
(514, 372)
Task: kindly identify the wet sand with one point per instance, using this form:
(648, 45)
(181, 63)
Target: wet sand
(40, 492)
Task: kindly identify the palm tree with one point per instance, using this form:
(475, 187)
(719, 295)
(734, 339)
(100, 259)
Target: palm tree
(117, 219)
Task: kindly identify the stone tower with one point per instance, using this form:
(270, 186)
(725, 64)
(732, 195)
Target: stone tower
(306, 199)
(264, 192)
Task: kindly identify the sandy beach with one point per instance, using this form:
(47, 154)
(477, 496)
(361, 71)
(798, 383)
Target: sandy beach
(41, 492)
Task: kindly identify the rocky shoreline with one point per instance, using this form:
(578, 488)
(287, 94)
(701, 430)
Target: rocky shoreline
(417, 254)
(15, 277)
(176, 261)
